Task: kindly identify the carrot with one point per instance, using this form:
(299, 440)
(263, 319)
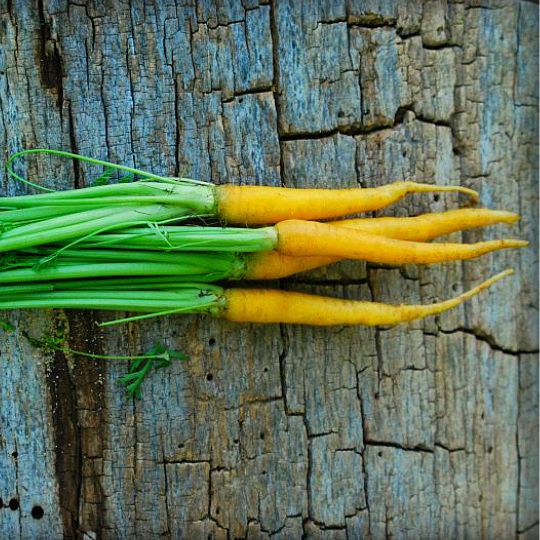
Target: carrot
(275, 265)
(273, 306)
(421, 228)
(254, 205)
(310, 238)
(257, 205)
(202, 254)
(117, 247)
(426, 227)
(241, 305)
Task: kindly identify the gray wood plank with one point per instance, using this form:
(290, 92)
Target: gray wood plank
(420, 431)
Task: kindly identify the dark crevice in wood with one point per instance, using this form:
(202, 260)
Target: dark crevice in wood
(401, 112)
(371, 20)
(357, 129)
(167, 461)
(276, 86)
(131, 88)
(282, 368)
(167, 532)
(448, 449)
(6, 134)
(283, 527)
(104, 108)
(480, 7)
(433, 122)
(177, 132)
(488, 339)
(307, 136)
(440, 47)
(363, 453)
(377, 331)
(390, 444)
(17, 492)
(50, 60)
(67, 442)
(352, 130)
(321, 434)
(74, 149)
(247, 92)
(87, 379)
(528, 528)
(212, 518)
(210, 492)
(310, 522)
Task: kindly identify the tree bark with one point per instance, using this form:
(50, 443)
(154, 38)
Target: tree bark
(426, 430)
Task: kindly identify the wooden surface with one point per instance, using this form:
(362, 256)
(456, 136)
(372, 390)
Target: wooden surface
(428, 430)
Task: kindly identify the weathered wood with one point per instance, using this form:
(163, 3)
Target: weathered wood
(428, 430)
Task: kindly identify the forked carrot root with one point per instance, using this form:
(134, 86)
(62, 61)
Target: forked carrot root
(274, 306)
(308, 238)
(426, 227)
(274, 265)
(258, 205)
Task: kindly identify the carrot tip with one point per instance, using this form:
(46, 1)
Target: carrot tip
(514, 243)
(512, 217)
(474, 195)
(486, 284)
(500, 275)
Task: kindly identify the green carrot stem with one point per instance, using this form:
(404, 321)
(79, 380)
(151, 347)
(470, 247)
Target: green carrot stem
(60, 153)
(6, 290)
(41, 233)
(80, 271)
(58, 222)
(192, 299)
(37, 213)
(115, 283)
(162, 198)
(186, 238)
(92, 192)
(209, 261)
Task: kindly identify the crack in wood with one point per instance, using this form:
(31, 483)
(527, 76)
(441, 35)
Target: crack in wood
(67, 441)
(50, 63)
(486, 338)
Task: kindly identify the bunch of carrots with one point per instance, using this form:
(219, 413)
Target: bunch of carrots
(126, 246)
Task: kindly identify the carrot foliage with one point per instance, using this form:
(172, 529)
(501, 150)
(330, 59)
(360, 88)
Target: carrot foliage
(158, 357)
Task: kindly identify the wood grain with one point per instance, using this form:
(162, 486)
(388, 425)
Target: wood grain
(427, 430)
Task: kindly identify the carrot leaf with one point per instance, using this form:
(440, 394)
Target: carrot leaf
(158, 358)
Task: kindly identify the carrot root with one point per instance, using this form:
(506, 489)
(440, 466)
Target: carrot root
(303, 238)
(274, 265)
(258, 205)
(429, 226)
(274, 306)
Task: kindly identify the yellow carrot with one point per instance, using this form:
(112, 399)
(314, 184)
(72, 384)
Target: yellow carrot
(262, 204)
(309, 238)
(275, 306)
(274, 265)
(429, 226)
